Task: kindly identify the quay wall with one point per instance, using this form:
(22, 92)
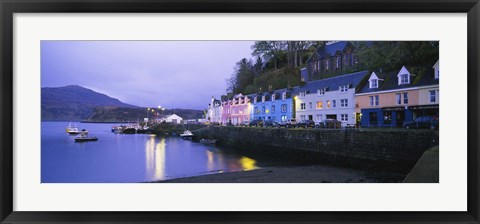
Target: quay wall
(395, 149)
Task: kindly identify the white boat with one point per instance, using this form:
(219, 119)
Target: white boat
(85, 138)
(186, 134)
(72, 130)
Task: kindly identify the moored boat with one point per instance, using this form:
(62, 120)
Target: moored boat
(72, 130)
(85, 138)
(186, 134)
(208, 141)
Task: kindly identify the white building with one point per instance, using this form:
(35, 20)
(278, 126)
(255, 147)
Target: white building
(172, 119)
(331, 98)
(214, 111)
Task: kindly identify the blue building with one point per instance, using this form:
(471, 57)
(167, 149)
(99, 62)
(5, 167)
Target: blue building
(275, 105)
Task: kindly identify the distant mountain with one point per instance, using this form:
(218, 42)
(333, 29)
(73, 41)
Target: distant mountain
(74, 103)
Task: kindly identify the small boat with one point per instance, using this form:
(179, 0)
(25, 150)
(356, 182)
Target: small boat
(208, 141)
(85, 138)
(83, 131)
(72, 130)
(186, 134)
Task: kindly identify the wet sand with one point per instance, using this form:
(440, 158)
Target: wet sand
(301, 174)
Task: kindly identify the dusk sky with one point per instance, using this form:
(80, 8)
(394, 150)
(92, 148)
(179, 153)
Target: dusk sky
(173, 74)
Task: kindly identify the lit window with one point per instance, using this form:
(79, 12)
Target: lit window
(319, 105)
(328, 104)
(433, 96)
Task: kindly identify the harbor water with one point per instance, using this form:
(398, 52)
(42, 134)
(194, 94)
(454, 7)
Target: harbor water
(132, 158)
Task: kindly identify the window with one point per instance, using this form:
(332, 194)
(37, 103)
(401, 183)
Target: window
(303, 93)
(399, 98)
(263, 99)
(339, 62)
(405, 98)
(404, 79)
(373, 83)
(284, 96)
(273, 108)
(318, 65)
(334, 102)
(319, 105)
(433, 96)
(302, 106)
(319, 117)
(255, 100)
(284, 108)
(344, 103)
(321, 91)
(387, 117)
(284, 117)
(273, 97)
(310, 105)
(257, 111)
(263, 109)
(343, 117)
(327, 65)
(302, 117)
(374, 100)
(343, 88)
(328, 104)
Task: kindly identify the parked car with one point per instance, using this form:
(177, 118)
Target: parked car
(330, 123)
(422, 122)
(269, 123)
(256, 123)
(287, 124)
(305, 124)
(245, 124)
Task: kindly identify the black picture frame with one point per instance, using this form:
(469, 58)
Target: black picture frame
(9, 7)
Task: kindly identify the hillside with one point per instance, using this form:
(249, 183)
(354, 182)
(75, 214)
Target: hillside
(76, 103)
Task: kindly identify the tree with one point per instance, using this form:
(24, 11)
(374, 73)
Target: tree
(269, 50)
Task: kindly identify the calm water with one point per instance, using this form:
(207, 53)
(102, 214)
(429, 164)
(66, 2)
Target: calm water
(123, 158)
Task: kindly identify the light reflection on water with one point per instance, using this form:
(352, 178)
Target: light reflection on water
(129, 158)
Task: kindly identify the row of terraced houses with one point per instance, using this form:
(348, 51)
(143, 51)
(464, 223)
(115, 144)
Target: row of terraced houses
(364, 98)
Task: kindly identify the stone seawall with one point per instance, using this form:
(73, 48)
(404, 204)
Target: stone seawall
(395, 150)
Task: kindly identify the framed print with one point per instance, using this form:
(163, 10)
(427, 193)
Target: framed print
(247, 112)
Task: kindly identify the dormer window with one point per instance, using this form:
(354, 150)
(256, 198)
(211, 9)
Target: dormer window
(321, 92)
(327, 65)
(344, 88)
(373, 83)
(303, 93)
(403, 76)
(255, 100)
(339, 61)
(273, 97)
(284, 96)
(404, 79)
(263, 99)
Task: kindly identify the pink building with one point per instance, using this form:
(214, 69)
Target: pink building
(226, 112)
(240, 109)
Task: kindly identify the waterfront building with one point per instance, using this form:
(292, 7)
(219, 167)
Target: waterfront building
(214, 111)
(330, 98)
(226, 119)
(239, 109)
(173, 118)
(275, 105)
(389, 99)
(333, 58)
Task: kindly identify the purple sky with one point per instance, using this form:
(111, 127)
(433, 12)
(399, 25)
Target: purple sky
(173, 74)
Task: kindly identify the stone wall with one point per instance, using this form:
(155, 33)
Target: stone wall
(385, 149)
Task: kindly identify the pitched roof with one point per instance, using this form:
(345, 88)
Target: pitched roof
(421, 76)
(333, 83)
